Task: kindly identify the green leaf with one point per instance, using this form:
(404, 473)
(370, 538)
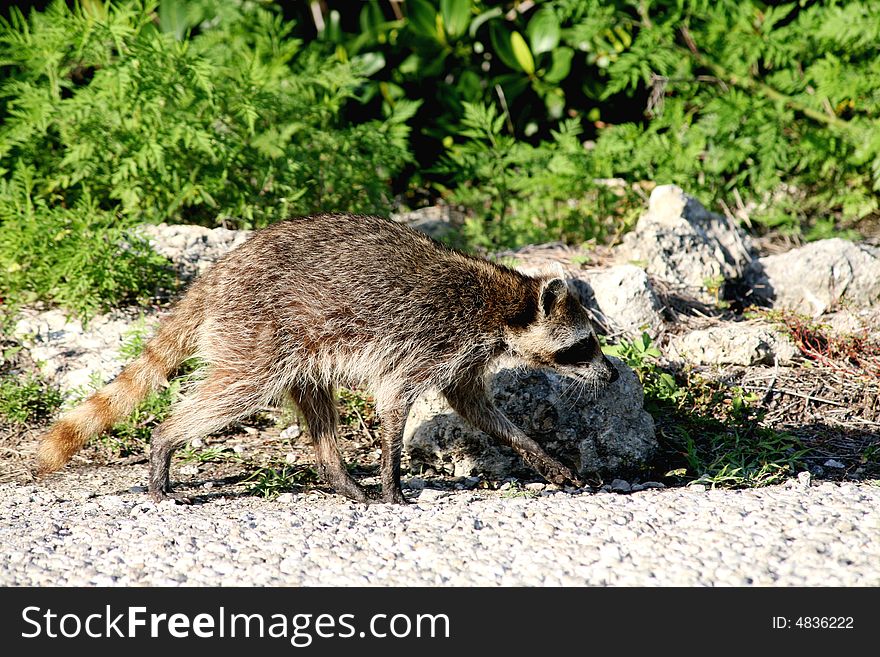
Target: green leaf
(369, 63)
(522, 53)
(371, 17)
(543, 31)
(555, 103)
(332, 30)
(501, 45)
(173, 18)
(456, 15)
(561, 66)
(422, 17)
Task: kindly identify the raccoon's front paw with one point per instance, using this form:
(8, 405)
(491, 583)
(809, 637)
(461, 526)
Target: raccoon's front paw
(556, 473)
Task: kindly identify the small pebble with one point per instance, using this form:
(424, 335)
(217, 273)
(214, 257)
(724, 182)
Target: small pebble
(620, 486)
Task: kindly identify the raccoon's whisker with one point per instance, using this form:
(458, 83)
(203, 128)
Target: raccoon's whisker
(571, 387)
(574, 389)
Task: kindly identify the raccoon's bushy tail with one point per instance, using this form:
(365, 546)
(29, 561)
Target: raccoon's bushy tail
(174, 343)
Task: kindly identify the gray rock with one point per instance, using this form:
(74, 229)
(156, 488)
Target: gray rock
(620, 486)
(291, 433)
(74, 356)
(624, 297)
(415, 483)
(437, 221)
(192, 249)
(819, 277)
(431, 495)
(739, 343)
(609, 435)
(680, 242)
(854, 321)
(834, 463)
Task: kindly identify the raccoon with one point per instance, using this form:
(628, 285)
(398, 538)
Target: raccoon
(312, 303)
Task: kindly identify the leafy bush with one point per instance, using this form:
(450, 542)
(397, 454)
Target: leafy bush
(81, 257)
(773, 104)
(269, 482)
(106, 120)
(759, 98)
(235, 124)
(26, 399)
(523, 194)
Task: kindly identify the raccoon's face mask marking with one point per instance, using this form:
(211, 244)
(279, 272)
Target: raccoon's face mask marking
(580, 354)
(562, 338)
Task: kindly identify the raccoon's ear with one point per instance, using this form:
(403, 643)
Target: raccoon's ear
(552, 294)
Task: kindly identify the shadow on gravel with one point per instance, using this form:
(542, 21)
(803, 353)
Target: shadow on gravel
(828, 452)
(838, 453)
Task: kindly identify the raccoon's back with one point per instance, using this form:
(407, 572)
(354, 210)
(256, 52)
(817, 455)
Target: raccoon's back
(327, 265)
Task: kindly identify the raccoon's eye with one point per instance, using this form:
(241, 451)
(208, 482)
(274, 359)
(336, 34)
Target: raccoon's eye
(580, 352)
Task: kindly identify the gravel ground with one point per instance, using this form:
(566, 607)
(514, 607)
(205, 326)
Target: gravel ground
(86, 527)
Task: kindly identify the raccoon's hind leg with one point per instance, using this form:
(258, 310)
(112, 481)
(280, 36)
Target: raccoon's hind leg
(318, 407)
(468, 398)
(219, 399)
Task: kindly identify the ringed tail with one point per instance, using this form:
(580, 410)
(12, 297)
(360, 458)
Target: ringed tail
(174, 343)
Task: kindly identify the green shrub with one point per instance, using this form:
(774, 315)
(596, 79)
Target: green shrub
(269, 482)
(521, 194)
(237, 123)
(81, 257)
(107, 121)
(27, 399)
(773, 104)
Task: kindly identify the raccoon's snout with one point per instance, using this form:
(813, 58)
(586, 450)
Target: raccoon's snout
(613, 374)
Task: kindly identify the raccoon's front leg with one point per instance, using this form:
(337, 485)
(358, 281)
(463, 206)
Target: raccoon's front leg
(468, 398)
